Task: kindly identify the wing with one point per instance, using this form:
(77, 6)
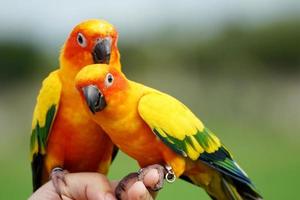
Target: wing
(184, 133)
(43, 117)
(176, 125)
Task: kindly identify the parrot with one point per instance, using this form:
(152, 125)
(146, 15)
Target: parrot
(155, 128)
(63, 138)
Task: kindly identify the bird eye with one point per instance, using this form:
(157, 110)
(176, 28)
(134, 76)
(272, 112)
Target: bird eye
(109, 80)
(81, 40)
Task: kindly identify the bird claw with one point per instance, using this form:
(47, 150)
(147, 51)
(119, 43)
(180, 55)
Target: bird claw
(165, 172)
(58, 175)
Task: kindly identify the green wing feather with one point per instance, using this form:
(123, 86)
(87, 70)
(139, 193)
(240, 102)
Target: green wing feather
(43, 117)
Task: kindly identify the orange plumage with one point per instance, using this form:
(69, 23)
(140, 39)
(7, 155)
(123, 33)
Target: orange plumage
(62, 133)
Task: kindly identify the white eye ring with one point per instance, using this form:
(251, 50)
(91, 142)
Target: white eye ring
(109, 79)
(81, 40)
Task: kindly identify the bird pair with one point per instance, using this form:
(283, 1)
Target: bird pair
(88, 105)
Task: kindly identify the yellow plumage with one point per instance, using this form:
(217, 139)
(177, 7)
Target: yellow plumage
(175, 120)
(49, 95)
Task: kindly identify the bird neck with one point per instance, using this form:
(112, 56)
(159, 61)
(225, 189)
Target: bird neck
(129, 96)
(115, 60)
(68, 71)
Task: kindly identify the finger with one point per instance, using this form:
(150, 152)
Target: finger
(87, 186)
(155, 176)
(63, 197)
(114, 184)
(47, 191)
(124, 185)
(151, 178)
(138, 191)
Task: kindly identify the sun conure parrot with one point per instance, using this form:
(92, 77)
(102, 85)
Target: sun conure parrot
(63, 136)
(155, 128)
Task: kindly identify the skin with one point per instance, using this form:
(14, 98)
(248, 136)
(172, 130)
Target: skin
(76, 143)
(95, 186)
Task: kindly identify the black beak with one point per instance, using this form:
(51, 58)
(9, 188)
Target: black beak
(94, 98)
(102, 50)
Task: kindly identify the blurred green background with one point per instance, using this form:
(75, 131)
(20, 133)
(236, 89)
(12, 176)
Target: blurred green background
(236, 64)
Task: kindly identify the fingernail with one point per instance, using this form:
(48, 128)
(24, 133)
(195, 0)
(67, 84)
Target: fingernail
(109, 196)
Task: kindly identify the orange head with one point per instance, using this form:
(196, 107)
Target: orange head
(92, 41)
(101, 86)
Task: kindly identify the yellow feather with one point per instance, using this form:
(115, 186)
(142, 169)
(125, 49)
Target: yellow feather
(193, 154)
(49, 95)
(213, 144)
(196, 145)
(171, 111)
(105, 27)
(173, 120)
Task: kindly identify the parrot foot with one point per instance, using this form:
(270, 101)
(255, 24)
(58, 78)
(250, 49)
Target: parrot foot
(58, 175)
(125, 184)
(161, 172)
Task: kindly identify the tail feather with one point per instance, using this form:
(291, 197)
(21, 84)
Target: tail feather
(37, 171)
(225, 188)
(230, 190)
(227, 181)
(235, 182)
(245, 191)
(238, 191)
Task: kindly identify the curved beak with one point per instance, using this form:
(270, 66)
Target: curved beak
(102, 50)
(94, 98)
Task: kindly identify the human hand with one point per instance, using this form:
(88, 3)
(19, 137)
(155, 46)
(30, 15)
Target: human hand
(95, 186)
